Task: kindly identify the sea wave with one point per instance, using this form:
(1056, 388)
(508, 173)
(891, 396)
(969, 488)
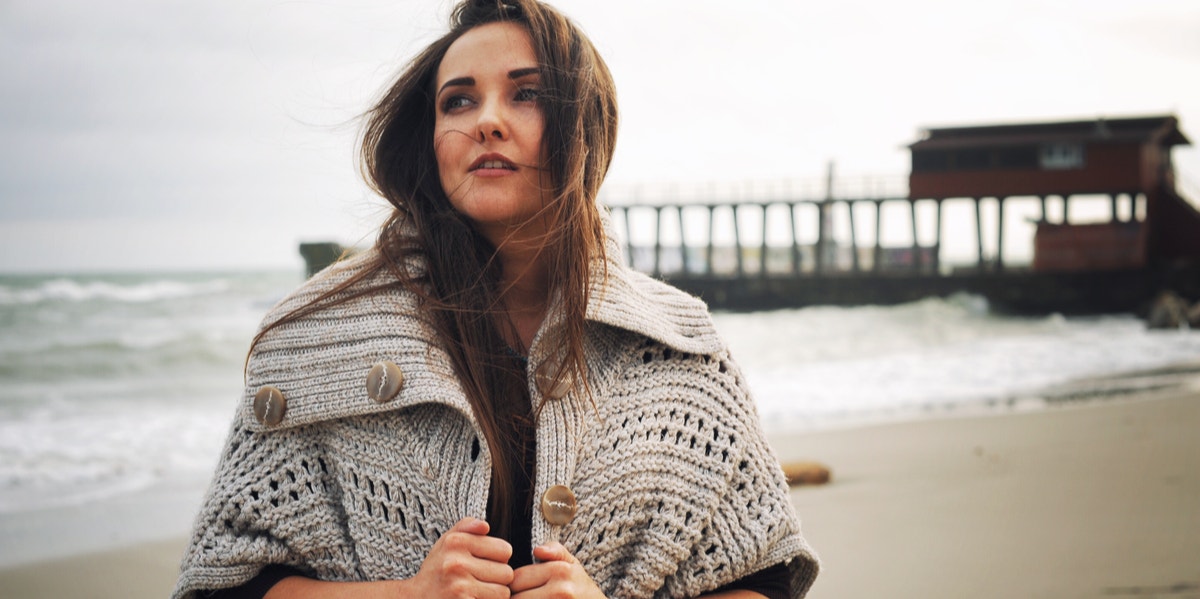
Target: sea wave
(184, 355)
(847, 365)
(113, 384)
(72, 290)
(783, 339)
(66, 453)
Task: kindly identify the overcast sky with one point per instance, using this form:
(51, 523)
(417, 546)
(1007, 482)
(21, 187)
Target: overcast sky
(167, 134)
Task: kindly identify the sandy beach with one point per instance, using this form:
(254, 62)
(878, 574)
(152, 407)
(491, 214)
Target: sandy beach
(1093, 498)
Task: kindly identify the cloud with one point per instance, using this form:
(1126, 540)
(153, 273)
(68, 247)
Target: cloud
(231, 114)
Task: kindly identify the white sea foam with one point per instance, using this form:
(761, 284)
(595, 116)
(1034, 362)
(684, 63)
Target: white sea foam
(72, 290)
(67, 454)
(826, 366)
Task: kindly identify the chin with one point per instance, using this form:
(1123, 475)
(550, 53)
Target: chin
(496, 209)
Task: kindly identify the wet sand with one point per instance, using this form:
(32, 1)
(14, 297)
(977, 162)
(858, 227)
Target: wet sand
(141, 571)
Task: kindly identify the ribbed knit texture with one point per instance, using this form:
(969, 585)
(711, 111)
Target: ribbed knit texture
(678, 492)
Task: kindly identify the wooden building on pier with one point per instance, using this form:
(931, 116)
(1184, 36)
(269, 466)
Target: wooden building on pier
(1128, 160)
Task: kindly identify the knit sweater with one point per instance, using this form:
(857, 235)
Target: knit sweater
(676, 490)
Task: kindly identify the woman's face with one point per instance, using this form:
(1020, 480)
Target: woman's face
(488, 130)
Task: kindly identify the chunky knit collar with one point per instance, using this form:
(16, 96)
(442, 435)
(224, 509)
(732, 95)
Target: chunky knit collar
(319, 362)
(630, 300)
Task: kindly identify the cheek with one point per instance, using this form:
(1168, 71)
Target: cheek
(447, 147)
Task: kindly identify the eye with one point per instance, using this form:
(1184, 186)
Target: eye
(528, 94)
(455, 102)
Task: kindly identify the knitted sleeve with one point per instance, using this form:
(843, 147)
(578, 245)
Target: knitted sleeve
(754, 525)
(690, 495)
(271, 501)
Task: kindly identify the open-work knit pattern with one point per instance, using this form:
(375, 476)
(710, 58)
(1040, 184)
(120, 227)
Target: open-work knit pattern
(678, 492)
(684, 494)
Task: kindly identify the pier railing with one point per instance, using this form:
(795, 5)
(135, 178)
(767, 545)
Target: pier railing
(772, 229)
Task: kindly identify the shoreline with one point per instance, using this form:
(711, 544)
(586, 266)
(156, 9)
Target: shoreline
(1122, 386)
(1089, 495)
(115, 523)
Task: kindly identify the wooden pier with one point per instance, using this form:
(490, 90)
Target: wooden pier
(791, 250)
(763, 276)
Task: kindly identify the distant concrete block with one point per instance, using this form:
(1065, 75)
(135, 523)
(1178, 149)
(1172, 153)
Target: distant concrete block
(1169, 311)
(318, 255)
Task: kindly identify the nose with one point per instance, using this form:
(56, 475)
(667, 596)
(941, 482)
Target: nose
(493, 121)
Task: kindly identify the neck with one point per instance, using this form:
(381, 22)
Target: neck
(524, 291)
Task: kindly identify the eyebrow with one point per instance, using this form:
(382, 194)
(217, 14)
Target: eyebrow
(467, 81)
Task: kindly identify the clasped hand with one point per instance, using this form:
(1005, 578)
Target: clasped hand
(465, 562)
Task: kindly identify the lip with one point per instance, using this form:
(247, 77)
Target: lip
(478, 163)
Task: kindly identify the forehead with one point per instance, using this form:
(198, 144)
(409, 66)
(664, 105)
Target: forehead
(495, 47)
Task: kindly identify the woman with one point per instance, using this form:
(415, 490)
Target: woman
(489, 403)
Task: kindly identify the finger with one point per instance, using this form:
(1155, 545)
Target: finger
(464, 536)
(553, 552)
(473, 526)
(491, 572)
(490, 548)
(477, 543)
(491, 591)
(529, 577)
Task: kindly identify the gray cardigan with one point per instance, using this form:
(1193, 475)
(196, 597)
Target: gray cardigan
(661, 483)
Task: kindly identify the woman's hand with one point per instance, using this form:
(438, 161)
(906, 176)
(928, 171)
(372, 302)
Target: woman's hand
(556, 575)
(464, 562)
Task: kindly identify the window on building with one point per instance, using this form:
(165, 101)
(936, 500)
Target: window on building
(1061, 156)
(1016, 157)
(925, 161)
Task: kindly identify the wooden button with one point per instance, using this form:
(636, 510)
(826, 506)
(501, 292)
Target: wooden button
(269, 406)
(546, 384)
(384, 382)
(558, 505)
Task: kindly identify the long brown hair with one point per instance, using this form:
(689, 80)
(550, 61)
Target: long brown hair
(459, 279)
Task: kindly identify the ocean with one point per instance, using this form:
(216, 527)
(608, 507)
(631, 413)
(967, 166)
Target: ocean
(116, 391)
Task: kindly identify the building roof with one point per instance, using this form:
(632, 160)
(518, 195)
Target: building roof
(1160, 130)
